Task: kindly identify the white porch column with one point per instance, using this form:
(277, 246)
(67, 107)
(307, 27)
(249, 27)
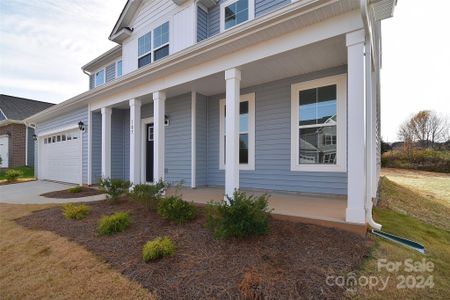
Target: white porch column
(233, 86)
(357, 188)
(106, 142)
(159, 110)
(135, 141)
(193, 139)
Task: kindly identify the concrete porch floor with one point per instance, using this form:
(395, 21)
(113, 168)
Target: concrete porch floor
(326, 211)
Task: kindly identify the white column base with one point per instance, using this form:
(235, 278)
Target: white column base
(355, 215)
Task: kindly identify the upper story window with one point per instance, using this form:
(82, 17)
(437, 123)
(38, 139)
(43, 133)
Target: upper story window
(100, 77)
(246, 133)
(119, 68)
(318, 130)
(161, 41)
(234, 12)
(144, 50)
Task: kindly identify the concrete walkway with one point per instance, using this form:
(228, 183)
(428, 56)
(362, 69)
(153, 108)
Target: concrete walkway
(29, 193)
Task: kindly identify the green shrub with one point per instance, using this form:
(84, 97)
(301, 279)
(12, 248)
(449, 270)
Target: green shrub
(244, 216)
(149, 195)
(75, 190)
(116, 222)
(12, 175)
(76, 212)
(158, 248)
(176, 209)
(114, 188)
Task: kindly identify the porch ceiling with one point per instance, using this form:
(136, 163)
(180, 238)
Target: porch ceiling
(315, 57)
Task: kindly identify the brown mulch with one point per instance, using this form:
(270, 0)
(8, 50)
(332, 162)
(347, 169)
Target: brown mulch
(291, 262)
(65, 194)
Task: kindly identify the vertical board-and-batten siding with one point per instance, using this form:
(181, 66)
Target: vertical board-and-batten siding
(272, 143)
(262, 7)
(201, 140)
(67, 120)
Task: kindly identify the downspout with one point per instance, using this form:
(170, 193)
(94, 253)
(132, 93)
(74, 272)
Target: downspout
(368, 31)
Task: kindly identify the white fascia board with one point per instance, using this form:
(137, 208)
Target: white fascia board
(184, 59)
(8, 121)
(103, 59)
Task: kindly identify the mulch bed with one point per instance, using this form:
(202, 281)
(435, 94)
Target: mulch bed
(65, 194)
(291, 262)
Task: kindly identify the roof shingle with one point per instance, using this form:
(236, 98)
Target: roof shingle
(18, 109)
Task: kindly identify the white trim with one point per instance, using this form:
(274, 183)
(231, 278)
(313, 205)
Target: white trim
(251, 133)
(26, 145)
(144, 123)
(117, 68)
(89, 128)
(159, 111)
(135, 140)
(106, 142)
(251, 13)
(341, 163)
(81, 157)
(194, 139)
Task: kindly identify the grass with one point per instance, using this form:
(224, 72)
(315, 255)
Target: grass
(27, 172)
(412, 215)
(428, 184)
(43, 265)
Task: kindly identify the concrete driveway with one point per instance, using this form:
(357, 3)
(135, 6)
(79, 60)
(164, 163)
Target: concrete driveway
(29, 193)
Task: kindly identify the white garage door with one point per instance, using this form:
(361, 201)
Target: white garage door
(4, 149)
(60, 157)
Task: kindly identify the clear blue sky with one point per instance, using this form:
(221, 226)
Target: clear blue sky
(44, 43)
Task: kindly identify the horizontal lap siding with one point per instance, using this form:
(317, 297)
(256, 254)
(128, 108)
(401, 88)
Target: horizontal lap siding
(214, 20)
(202, 24)
(111, 72)
(272, 143)
(96, 146)
(265, 6)
(201, 140)
(70, 119)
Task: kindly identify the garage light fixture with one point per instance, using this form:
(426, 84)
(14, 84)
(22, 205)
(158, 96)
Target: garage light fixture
(34, 137)
(81, 125)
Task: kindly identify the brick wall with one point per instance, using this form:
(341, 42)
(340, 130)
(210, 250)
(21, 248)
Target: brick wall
(16, 144)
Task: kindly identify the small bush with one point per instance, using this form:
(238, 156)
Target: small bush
(75, 190)
(244, 216)
(114, 188)
(417, 159)
(158, 248)
(12, 175)
(149, 195)
(176, 209)
(114, 223)
(76, 212)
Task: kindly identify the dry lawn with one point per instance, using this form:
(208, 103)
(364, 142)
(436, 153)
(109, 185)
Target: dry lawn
(429, 184)
(43, 265)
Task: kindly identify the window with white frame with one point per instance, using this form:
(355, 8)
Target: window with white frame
(119, 69)
(161, 41)
(234, 12)
(246, 133)
(318, 125)
(145, 49)
(100, 77)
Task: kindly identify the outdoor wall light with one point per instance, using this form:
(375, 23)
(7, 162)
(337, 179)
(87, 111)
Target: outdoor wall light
(81, 126)
(34, 137)
(166, 120)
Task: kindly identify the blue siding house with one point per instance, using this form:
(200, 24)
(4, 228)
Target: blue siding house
(265, 95)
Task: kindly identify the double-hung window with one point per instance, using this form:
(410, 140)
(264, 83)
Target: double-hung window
(246, 133)
(161, 41)
(318, 126)
(234, 12)
(144, 50)
(100, 77)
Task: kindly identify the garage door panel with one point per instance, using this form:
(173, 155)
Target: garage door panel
(60, 157)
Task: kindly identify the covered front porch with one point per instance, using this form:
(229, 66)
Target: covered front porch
(190, 133)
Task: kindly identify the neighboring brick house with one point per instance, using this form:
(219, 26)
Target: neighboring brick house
(16, 138)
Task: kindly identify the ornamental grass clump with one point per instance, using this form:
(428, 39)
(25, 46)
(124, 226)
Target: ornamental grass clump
(158, 248)
(114, 223)
(244, 216)
(12, 175)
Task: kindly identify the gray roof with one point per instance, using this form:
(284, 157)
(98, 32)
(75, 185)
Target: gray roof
(18, 109)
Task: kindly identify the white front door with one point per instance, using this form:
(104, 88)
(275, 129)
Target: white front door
(4, 151)
(60, 157)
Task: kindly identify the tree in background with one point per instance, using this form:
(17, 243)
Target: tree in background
(425, 128)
